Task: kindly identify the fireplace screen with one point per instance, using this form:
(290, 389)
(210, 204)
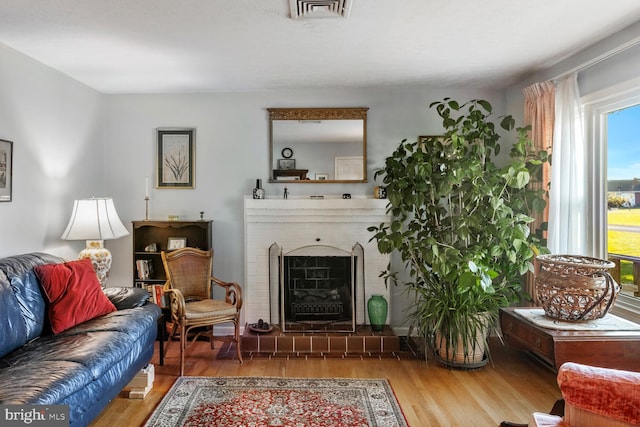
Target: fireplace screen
(315, 288)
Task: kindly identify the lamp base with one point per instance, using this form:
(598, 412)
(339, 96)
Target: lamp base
(100, 259)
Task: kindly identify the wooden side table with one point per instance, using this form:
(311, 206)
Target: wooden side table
(609, 349)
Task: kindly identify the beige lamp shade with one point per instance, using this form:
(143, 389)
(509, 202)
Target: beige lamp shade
(95, 220)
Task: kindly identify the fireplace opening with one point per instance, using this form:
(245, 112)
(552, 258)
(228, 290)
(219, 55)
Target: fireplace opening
(313, 288)
(317, 289)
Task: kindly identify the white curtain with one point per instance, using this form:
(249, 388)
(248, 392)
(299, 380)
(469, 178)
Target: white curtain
(568, 192)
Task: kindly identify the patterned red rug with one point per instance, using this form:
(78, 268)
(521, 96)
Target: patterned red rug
(281, 402)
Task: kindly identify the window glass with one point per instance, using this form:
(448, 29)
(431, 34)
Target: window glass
(623, 194)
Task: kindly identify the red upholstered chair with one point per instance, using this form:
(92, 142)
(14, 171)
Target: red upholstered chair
(594, 397)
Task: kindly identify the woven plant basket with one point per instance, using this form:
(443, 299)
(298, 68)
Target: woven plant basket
(574, 287)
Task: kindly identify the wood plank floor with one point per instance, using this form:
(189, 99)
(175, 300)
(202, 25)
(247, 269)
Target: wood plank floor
(429, 394)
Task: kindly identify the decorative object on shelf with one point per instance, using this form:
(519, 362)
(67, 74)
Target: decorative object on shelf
(322, 176)
(377, 308)
(151, 247)
(173, 218)
(460, 223)
(6, 170)
(286, 193)
(176, 243)
(346, 195)
(286, 164)
(258, 192)
(95, 220)
(175, 166)
(146, 198)
(201, 215)
(380, 192)
(575, 287)
(144, 268)
(287, 153)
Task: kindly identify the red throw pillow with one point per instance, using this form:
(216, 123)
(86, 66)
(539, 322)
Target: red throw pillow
(73, 292)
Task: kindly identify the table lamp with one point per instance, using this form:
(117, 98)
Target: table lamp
(95, 220)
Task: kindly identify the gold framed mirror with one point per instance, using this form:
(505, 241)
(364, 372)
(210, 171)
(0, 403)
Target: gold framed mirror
(318, 145)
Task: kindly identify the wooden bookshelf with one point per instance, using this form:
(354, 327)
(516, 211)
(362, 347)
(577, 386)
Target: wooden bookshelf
(198, 234)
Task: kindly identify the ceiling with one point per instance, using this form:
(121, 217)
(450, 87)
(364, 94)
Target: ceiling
(156, 46)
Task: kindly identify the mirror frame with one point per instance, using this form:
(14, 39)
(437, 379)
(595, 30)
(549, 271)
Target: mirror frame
(357, 113)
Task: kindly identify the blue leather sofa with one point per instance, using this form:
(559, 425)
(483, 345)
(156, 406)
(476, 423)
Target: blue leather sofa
(85, 366)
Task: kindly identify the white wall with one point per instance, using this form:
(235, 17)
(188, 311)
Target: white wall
(232, 150)
(56, 125)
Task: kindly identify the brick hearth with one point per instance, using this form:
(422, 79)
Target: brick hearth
(364, 343)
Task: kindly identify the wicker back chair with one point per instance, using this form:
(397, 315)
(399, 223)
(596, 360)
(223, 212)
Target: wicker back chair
(189, 286)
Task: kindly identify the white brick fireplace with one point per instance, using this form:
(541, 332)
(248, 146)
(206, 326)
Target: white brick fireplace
(298, 222)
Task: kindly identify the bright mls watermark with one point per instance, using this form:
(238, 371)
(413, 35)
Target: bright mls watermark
(34, 415)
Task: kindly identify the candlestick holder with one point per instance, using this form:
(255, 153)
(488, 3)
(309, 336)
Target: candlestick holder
(146, 208)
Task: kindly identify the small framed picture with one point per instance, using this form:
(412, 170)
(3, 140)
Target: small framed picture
(175, 165)
(286, 164)
(322, 176)
(176, 243)
(6, 170)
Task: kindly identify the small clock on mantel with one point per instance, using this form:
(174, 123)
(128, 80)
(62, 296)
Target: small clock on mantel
(287, 153)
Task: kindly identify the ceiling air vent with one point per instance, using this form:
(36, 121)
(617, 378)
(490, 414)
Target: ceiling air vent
(320, 8)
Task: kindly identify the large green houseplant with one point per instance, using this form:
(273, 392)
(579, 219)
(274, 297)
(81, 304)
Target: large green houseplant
(460, 222)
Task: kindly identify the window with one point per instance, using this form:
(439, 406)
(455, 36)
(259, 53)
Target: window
(612, 125)
(623, 192)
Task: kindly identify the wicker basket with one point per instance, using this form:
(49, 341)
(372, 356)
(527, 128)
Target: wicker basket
(574, 288)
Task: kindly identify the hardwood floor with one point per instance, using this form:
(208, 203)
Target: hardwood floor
(429, 394)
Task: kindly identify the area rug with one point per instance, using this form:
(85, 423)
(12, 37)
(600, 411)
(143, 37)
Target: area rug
(278, 402)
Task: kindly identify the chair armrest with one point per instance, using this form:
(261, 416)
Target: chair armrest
(176, 302)
(608, 392)
(233, 291)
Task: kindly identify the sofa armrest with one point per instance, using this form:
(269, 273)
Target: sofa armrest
(608, 392)
(127, 297)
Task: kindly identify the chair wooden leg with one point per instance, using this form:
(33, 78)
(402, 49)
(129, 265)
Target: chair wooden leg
(183, 345)
(237, 339)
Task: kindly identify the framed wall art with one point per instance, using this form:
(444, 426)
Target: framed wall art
(176, 158)
(6, 170)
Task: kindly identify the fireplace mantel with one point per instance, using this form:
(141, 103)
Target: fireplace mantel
(300, 209)
(302, 221)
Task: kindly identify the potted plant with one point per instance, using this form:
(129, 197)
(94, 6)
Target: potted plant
(460, 223)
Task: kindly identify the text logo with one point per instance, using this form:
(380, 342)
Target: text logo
(34, 415)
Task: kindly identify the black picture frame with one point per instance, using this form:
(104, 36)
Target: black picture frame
(6, 170)
(175, 167)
